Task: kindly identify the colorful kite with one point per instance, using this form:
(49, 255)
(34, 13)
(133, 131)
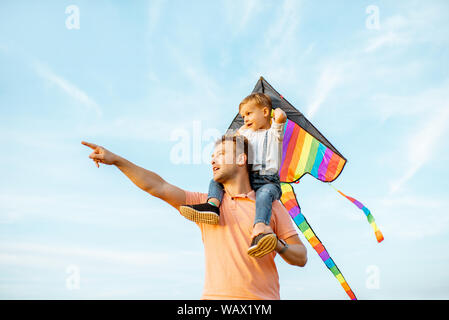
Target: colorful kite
(306, 150)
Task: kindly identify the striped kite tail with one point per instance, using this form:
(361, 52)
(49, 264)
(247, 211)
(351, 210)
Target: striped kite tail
(291, 204)
(369, 216)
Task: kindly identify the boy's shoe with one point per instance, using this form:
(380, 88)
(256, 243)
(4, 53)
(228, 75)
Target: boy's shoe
(202, 213)
(262, 244)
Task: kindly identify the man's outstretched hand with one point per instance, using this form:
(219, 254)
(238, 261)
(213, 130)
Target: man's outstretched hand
(100, 154)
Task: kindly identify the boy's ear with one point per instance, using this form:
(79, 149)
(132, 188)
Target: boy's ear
(266, 112)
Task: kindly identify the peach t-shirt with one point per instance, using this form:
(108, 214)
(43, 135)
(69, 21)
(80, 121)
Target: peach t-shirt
(230, 272)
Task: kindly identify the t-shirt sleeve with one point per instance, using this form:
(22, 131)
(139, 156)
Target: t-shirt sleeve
(277, 130)
(283, 224)
(195, 197)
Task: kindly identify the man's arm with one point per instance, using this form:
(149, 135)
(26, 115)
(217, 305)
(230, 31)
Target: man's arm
(144, 179)
(152, 183)
(296, 253)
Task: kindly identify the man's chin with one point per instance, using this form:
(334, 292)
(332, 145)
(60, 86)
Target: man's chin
(218, 178)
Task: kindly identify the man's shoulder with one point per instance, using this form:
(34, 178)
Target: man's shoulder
(283, 222)
(278, 208)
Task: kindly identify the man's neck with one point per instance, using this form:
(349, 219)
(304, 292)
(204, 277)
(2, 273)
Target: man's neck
(238, 185)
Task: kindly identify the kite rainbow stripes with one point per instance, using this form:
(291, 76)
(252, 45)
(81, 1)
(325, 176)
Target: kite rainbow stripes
(369, 216)
(291, 204)
(302, 153)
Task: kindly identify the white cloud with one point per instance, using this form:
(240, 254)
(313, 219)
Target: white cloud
(421, 144)
(133, 127)
(154, 14)
(432, 108)
(411, 27)
(284, 24)
(276, 58)
(412, 217)
(73, 91)
(32, 254)
(239, 13)
(206, 89)
(329, 78)
(389, 38)
(249, 7)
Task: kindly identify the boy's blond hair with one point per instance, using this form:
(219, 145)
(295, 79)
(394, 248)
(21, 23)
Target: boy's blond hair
(260, 99)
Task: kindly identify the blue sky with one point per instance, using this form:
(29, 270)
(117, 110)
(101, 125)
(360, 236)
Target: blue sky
(135, 75)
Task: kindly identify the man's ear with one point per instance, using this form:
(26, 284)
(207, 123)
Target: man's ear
(242, 159)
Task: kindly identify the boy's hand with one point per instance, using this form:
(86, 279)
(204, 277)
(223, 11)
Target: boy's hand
(101, 154)
(279, 115)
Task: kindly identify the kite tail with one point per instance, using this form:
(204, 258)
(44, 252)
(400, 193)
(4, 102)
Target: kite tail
(369, 216)
(291, 204)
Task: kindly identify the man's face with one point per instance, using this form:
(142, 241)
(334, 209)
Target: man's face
(224, 165)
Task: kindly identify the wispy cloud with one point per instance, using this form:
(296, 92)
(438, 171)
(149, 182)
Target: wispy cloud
(30, 254)
(329, 78)
(432, 108)
(194, 71)
(422, 143)
(276, 57)
(394, 31)
(154, 14)
(69, 88)
(389, 38)
(56, 256)
(239, 13)
(411, 27)
(412, 217)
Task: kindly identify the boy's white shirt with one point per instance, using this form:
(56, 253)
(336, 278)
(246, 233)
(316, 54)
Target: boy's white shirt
(274, 148)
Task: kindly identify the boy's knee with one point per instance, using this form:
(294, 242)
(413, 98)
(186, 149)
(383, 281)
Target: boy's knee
(272, 189)
(266, 194)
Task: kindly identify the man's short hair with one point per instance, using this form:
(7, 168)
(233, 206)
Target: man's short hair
(241, 145)
(260, 99)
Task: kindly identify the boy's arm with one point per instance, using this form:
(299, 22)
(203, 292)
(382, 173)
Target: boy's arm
(144, 179)
(277, 125)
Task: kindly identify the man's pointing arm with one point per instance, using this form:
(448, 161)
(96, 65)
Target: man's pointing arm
(144, 179)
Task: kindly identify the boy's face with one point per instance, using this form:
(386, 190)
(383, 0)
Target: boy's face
(254, 117)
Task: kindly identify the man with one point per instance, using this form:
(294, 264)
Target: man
(230, 272)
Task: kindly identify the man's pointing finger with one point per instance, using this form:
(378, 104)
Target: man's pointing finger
(90, 145)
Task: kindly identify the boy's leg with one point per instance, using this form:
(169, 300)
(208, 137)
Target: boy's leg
(208, 212)
(215, 194)
(264, 239)
(265, 196)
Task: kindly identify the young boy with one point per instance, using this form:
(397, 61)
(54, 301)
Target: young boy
(265, 138)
